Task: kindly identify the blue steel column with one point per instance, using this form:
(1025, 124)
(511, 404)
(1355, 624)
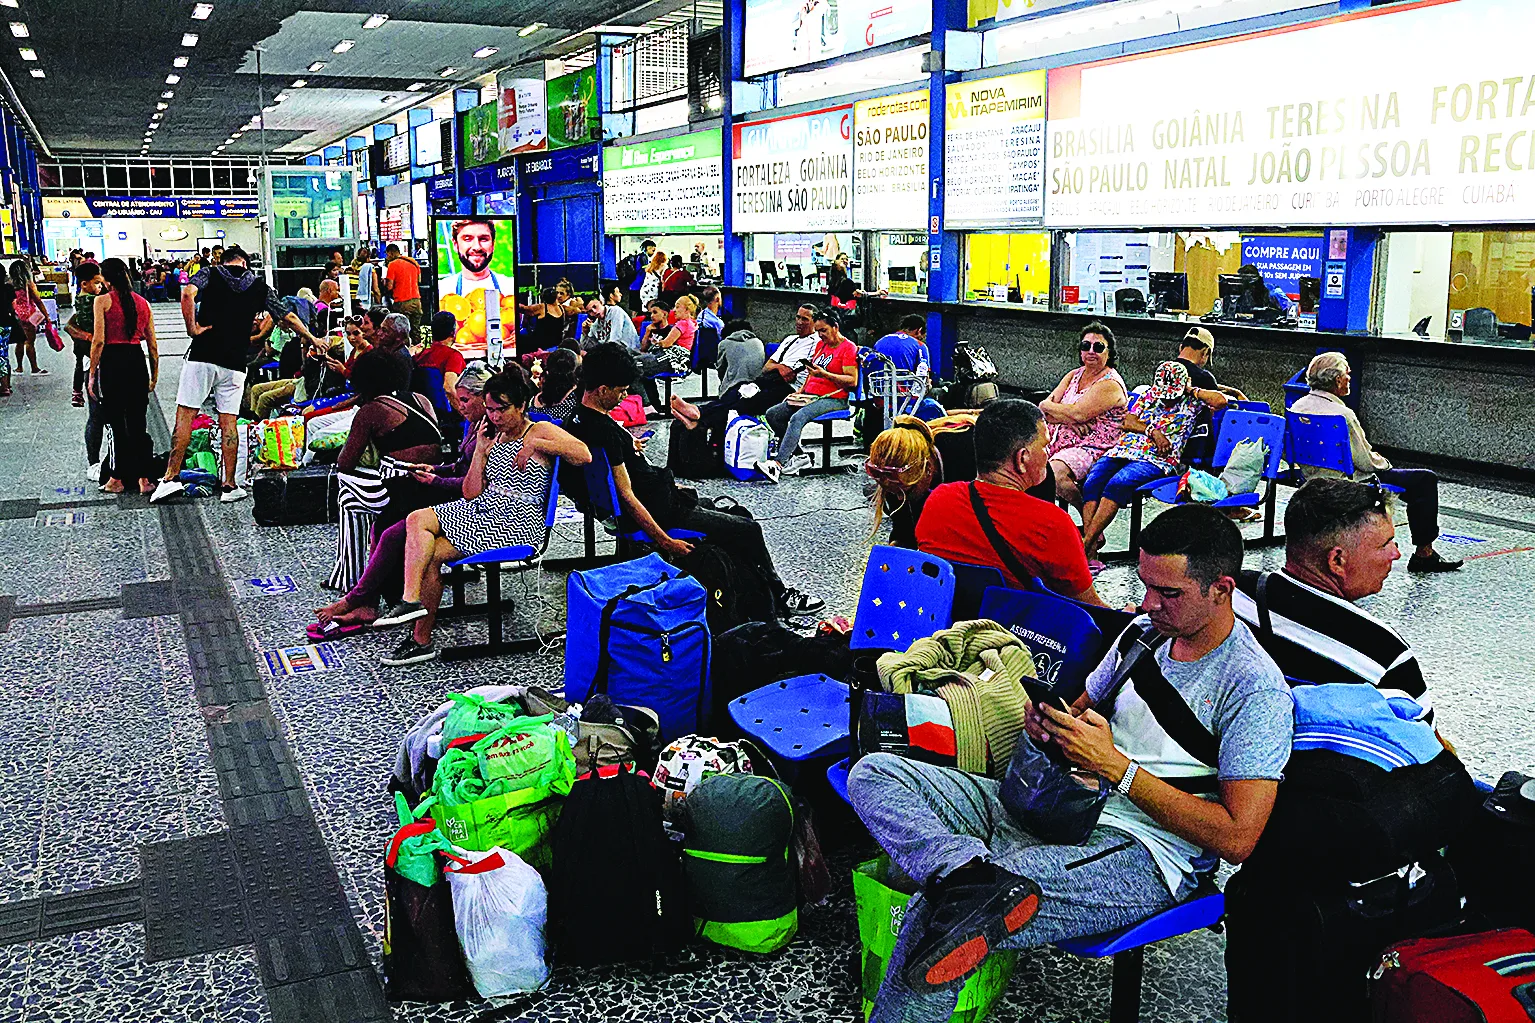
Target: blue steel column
(734, 269)
(943, 245)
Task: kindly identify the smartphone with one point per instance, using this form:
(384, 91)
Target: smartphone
(1043, 694)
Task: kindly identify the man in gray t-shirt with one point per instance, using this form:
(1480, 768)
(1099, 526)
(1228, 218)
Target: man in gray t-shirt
(988, 883)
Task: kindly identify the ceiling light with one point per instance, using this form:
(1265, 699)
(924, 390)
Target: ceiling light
(415, 87)
(189, 39)
(180, 61)
(486, 51)
(299, 83)
(375, 20)
(37, 72)
(162, 106)
(343, 46)
(201, 11)
(19, 29)
(167, 94)
(530, 29)
(447, 72)
(318, 65)
(172, 79)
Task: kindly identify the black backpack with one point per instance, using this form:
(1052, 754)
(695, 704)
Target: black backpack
(616, 890)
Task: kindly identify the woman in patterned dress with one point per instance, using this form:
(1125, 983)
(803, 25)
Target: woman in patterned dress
(505, 493)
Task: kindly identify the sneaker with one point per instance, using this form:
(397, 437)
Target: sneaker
(165, 489)
(229, 495)
(93, 472)
(973, 911)
(793, 603)
(1437, 563)
(771, 469)
(409, 652)
(78, 399)
(404, 611)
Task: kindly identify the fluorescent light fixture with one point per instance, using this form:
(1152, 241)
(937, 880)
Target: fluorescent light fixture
(27, 53)
(181, 62)
(318, 65)
(486, 51)
(343, 46)
(172, 79)
(162, 106)
(19, 29)
(375, 20)
(528, 30)
(201, 11)
(37, 72)
(447, 72)
(415, 87)
(298, 83)
(189, 39)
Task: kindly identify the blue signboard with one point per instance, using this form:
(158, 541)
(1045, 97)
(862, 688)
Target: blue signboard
(576, 164)
(1283, 261)
(493, 177)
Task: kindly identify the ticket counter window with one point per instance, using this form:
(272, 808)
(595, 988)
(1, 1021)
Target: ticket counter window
(900, 263)
(800, 262)
(1008, 268)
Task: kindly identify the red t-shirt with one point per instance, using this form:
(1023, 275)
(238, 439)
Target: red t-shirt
(441, 356)
(404, 276)
(1042, 536)
(841, 358)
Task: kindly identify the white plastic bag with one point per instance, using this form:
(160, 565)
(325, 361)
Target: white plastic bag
(747, 440)
(499, 910)
(1245, 467)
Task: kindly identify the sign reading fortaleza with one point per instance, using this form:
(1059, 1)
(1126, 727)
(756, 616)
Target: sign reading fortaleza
(794, 173)
(994, 148)
(1424, 114)
(671, 185)
(890, 162)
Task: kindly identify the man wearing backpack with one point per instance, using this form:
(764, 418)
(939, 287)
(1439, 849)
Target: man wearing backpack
(1186, 668)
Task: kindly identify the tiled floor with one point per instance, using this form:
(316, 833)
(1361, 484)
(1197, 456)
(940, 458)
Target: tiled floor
(102, 745)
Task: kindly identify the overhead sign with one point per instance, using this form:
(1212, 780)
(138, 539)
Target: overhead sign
(890, 149)
(140, 206)
(793, 173)
(1410, 115)
(994, 151)
(786, 33)
(673, 185)
(521, 120)
(572, 109)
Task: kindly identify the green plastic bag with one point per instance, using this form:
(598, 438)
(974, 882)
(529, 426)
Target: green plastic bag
(880, 911)
(413, 850)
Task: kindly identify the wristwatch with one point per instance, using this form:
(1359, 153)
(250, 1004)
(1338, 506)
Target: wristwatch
(1123, 788)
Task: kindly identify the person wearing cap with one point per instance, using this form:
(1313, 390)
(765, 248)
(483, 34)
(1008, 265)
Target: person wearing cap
(1329, 378)
(1156, 429)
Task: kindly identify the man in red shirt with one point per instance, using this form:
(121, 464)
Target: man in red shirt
(1031, 537)
(831, 372)
(402, 279)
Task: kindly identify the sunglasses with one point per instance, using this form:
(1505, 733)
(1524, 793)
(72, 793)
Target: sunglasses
(1093, 346)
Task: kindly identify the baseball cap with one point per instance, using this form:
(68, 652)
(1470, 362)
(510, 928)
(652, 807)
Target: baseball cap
(1200, 336)
(1171, 381)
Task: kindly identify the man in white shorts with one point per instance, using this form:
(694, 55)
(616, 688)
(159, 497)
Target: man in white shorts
(233, 296)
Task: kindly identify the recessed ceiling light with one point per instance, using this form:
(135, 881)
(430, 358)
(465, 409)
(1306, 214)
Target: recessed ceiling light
(161, 106)
(27, 53)
(201, 11)
(375, 20)
(486, 51)
(37, 72)
(447, 72)
(343, 46)
(189, 39)
(19, 29)
(530, 29)
(318, 65)
(299, 83)
(180, 61)
(415, 86)
(172, 79)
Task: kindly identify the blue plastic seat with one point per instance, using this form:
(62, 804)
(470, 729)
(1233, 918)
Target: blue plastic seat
(970, 584)
(797, 719)
(905, 595)
(519, 556)
(1063, 639)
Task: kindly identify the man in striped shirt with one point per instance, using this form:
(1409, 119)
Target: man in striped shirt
(1340, 546)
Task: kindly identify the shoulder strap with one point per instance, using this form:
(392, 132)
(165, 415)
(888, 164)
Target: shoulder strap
(1261, 598)
(1009, 557)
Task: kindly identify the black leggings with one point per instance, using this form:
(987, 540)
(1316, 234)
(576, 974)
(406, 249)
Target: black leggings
(123, 383)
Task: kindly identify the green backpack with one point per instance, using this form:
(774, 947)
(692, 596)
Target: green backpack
(740, 876)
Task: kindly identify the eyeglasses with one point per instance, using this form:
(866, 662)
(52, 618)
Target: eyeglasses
(1094, 346)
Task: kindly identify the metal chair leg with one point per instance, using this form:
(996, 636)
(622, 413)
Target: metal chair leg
(1125, 1005)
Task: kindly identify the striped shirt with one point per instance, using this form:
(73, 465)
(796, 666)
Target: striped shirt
(1318, 638)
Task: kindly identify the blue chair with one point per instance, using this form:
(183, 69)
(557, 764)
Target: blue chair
(602, 497)
(970, 584)
(797, 719)
(494, 607)
(1063, 639)
(905, 596)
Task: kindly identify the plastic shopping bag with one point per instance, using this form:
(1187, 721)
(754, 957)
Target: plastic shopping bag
(499, 910)
(1245, 467)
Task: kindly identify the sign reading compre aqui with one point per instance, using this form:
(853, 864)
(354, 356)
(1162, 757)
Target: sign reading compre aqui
(673, 185)
(994, 145)
(890, 150)
(793, 173)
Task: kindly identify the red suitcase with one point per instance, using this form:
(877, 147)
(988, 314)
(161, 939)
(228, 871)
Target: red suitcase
(1473, 978)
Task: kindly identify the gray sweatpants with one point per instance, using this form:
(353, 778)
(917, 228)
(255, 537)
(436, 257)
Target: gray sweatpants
(932, 820)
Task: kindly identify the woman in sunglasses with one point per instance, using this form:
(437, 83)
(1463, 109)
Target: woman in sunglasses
(1085, 413)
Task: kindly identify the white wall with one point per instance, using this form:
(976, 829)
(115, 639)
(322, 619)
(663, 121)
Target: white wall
(1416, 281)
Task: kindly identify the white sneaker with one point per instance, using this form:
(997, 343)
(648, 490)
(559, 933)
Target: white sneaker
(93, 472)
(232, 494)
(166, 488)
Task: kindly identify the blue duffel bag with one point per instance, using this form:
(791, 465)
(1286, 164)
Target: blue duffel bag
(637, 631)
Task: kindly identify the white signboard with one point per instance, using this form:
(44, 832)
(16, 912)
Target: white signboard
(890, 149)
(787, 33)
(793, 173)
(1419, 115)
(669, 186)
(994, 152)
